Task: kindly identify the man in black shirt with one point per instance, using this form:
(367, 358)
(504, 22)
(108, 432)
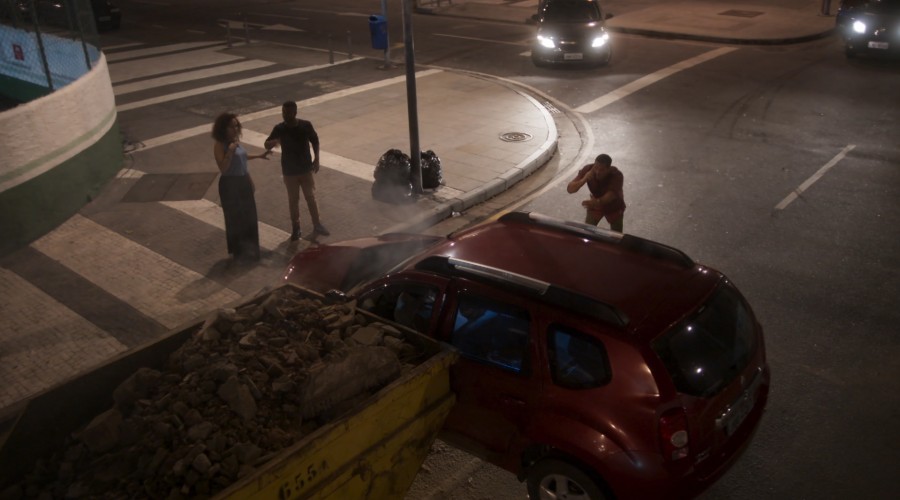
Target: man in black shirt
(297, 165)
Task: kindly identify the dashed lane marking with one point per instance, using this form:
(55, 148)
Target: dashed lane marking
(149, 282)
(816, 176)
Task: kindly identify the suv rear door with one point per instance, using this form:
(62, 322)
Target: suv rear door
(717, 363)
(496, 380)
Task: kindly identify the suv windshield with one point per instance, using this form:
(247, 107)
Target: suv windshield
(571, 12)
(706, 352)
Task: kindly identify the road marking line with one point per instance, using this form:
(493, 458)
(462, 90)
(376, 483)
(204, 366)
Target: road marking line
(227, 85)
(120, 46)
(162, 49)
(169, 63)
(151, 283)
(650, 79)
(488, 40)
(347, 166)
(275, 111)
(815, 177)
(128, 88)
(270, 237)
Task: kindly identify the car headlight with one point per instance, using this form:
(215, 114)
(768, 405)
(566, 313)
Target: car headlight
(600, 41)
(546, 42)
(859, 26)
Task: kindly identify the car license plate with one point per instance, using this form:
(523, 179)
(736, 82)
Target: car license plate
(878, 45)
(573, 56)
(737, 412)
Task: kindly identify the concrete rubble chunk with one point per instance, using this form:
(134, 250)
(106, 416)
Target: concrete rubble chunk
(102, 434)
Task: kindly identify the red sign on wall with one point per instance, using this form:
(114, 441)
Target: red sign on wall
(18, 53)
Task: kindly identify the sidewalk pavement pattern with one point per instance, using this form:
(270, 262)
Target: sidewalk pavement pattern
(138, 262)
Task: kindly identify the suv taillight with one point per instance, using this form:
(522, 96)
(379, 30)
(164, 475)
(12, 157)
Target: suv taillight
(673, 434)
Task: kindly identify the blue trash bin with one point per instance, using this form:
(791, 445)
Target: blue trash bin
(378, 30)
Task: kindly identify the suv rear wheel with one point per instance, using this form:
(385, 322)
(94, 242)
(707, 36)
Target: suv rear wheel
(554, 479)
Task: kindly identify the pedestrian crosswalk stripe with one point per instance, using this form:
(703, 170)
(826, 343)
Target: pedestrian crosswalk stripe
(161, 49)
(347, 166)
(37, 328)
(274, 111)
(270, 237)
(190, 76)
(181, 61)
(227, 85)
(151, 283)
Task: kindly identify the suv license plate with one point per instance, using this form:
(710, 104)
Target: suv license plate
(573, 56)
(878, 45)
(739, 412)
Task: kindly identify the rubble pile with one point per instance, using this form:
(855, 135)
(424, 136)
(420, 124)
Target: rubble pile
(249, 383)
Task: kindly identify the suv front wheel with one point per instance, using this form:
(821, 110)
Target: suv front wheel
(554, 479)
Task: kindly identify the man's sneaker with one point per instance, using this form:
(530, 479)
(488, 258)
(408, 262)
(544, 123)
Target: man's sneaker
(319, 228)
(295, 234)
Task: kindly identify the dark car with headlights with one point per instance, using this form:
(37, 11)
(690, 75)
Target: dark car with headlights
(869, 26)
(571, 31)
(592, 364)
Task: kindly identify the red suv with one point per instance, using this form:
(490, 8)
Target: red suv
(591, 362)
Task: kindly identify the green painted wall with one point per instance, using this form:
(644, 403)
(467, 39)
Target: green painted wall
(38, 205)
(20, 90)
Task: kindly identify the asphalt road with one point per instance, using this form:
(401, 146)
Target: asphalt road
(711, 156)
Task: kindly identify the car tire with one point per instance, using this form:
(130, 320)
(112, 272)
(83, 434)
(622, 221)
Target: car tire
(550, 478)
(538, 63)
(849, 52)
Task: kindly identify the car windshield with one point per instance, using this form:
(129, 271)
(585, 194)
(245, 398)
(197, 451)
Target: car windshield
(706, 352)
(571, 12)
(890, 7)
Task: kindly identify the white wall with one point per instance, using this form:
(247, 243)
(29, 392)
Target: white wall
(40, 134)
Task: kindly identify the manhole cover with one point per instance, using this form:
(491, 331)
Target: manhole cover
(741, 13)
(515, 137)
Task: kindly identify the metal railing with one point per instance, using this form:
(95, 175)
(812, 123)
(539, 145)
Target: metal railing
(50, 44)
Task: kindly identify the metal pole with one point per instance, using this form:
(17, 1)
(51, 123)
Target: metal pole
(228, 33)
(349, 46)
(40, 41)
(415, 155)
(387, 39)
(246, 29)
(330, 51)
(826, 7)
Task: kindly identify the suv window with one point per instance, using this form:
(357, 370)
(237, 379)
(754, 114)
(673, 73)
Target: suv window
(410, 305)
(706, 352)
(491, 332)
(577, 361)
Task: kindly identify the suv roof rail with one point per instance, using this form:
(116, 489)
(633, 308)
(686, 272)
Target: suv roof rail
(629, 242)
(548, 292)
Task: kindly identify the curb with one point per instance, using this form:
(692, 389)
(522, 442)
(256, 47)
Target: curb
(498, 185)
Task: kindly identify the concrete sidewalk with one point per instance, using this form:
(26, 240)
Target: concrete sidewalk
(755, 22)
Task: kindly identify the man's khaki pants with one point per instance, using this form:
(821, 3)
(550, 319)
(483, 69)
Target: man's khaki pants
(306, 182)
